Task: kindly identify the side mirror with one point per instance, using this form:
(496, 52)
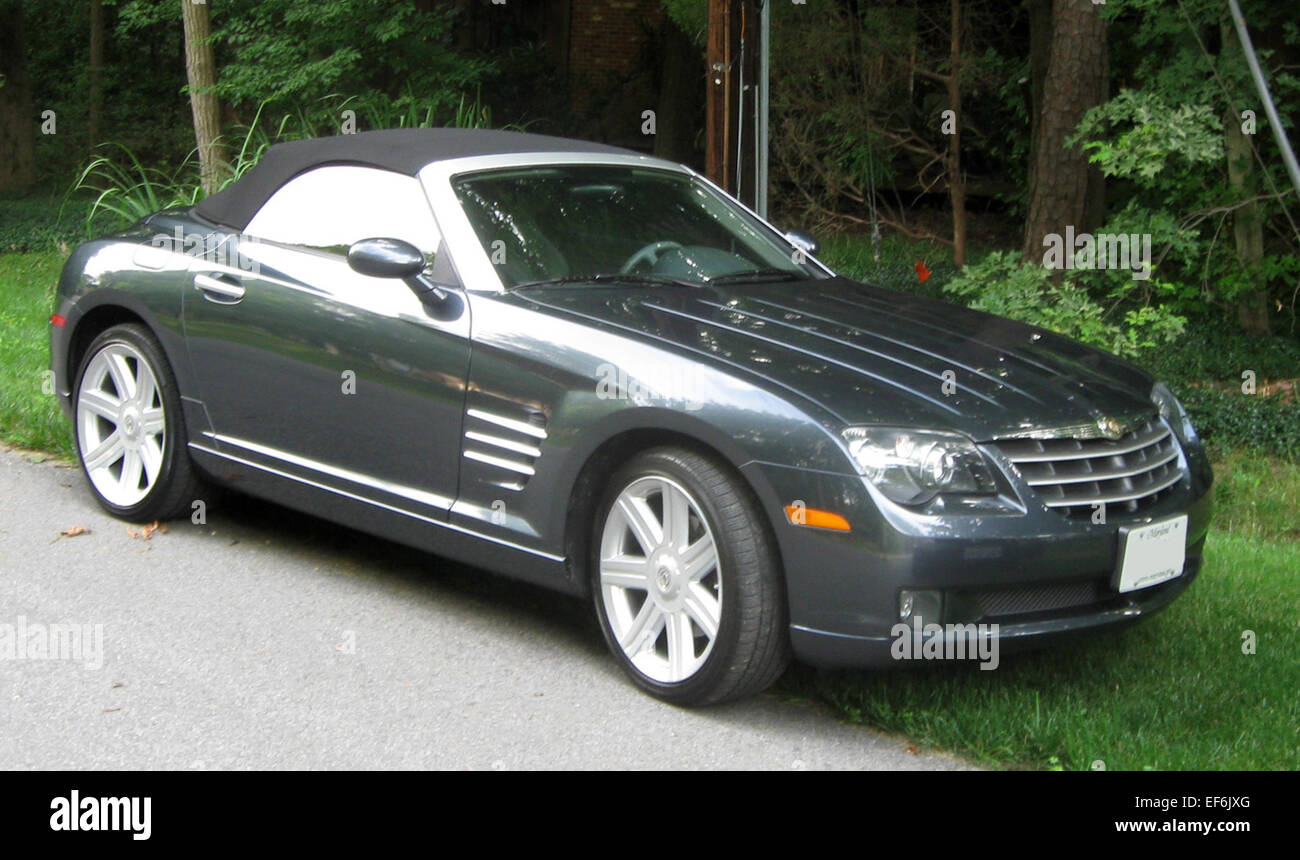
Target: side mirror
(803, 241)
(385, 258)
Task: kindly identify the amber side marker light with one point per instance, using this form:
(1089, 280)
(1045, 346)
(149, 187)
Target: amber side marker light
(798, 515)
(57, 321)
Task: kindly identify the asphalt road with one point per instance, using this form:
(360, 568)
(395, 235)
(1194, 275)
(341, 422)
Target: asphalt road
(270, 640)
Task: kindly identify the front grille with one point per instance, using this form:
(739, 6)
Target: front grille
(1075, 476)
(1024, 600)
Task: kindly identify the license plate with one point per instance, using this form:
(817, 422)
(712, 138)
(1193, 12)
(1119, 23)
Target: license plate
(1151, 554)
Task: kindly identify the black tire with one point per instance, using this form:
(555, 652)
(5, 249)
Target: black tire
(752, 646)
(178, 484)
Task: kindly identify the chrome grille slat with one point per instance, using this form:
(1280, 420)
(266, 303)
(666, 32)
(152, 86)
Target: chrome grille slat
(1075, 476)
(1131, 497)
(1037, 451)
(1093, 477)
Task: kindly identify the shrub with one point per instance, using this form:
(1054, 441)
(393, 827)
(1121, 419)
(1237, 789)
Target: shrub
(1002, 284)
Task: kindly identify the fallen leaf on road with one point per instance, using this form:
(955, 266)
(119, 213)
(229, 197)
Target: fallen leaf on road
(912, 749)
(72, 533)
(146, 532)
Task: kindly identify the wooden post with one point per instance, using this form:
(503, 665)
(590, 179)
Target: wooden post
(720, 121)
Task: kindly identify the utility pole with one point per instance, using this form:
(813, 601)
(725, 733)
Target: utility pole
(721, 95)
(735, 149)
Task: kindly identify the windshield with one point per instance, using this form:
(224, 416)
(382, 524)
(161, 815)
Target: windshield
(603, 224)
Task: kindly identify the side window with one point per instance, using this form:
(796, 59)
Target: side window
(329, 208)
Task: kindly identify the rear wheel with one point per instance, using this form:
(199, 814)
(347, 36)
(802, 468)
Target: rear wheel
(686, 580)
(130, 433)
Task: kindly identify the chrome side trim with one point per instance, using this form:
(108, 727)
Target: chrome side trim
(508, 423)
(507, 444)
(424, 497)
(500, 462)
(413, 515)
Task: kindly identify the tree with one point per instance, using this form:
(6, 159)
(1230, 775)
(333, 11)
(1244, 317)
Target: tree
(201, 71)
(17, 115)
(96, 94)
(1076, 80)
(956, 182)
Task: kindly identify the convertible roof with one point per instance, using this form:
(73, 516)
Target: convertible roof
(403, 150)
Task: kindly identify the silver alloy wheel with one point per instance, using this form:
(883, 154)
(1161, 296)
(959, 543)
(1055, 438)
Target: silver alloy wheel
(121, 424)
(660, 579)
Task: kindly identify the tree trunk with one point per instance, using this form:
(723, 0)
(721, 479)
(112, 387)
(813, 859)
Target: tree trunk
(677, 112)
(956, 184)
(18, 120)
(96, 95)
(1247, 223)
(1075, 82)
(201, 70)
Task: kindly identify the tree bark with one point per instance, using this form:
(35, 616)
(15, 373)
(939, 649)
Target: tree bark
(201, 71)
(677, 111)
(96, 95)
(18, 120)
(1075, 82)
(956, 183)
(1247, 223)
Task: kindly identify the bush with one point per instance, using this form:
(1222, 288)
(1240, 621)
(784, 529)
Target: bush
(1002, 284)
(42, 222)
(1230, 419)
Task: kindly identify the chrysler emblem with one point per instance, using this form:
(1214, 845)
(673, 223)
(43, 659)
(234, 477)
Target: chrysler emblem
(1110, 428)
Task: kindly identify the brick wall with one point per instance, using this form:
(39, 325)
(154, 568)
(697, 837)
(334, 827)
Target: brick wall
(605, 35)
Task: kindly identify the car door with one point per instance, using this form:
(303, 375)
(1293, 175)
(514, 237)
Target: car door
(310, 369)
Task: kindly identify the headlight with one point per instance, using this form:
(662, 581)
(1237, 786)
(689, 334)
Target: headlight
(1173, 412)
(911, 467)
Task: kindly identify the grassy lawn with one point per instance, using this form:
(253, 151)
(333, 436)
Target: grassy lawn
(29, 417)
(1173, 692)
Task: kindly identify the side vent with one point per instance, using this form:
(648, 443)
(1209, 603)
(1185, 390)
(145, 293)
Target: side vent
(508, 445)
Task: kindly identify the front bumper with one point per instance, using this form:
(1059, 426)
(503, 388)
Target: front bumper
(1038, 575)
(1033, 630)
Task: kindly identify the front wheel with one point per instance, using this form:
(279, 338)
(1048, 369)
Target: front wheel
(686, 580)
(130, 433)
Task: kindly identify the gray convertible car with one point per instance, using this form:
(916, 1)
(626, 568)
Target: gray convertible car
(594, 370)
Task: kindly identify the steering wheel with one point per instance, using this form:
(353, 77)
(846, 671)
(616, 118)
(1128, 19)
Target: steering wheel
(650, 253)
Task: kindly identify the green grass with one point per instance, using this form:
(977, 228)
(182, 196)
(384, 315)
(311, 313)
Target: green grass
(1173, 692)
(29, 413)
(1257, 496)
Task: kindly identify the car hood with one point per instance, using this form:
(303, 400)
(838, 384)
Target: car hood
(869, 355)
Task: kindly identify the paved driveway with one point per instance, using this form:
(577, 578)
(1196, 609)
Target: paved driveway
(266, 639)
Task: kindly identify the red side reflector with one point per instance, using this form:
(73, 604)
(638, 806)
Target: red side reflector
(57, 321)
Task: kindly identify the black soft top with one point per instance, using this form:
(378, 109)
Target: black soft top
(402, 150)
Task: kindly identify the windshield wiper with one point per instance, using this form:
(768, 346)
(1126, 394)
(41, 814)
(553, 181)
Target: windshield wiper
(756, 275)
(651, 280)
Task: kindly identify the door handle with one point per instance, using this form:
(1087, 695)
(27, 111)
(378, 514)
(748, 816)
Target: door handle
(219, 289)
